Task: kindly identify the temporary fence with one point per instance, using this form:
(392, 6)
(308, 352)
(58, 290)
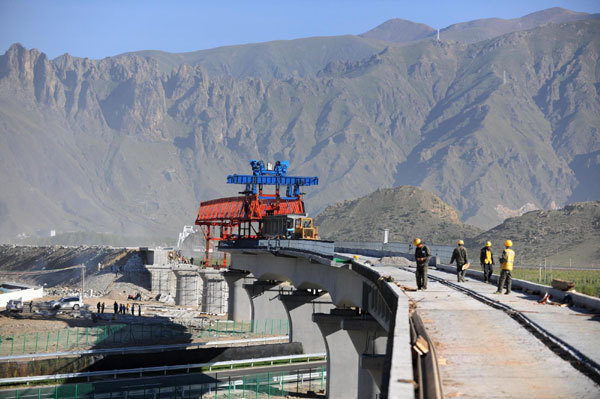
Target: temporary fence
(87, 337)
(115, 335)
(250, 327)
(263, 385)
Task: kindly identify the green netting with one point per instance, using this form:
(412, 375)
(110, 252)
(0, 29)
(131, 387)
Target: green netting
(264, 385)
(117, 335)
(246, 328)
(90, 337)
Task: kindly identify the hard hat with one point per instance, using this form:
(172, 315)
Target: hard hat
(461, 242)
(488, 244)
(417, 241)
(508, 243)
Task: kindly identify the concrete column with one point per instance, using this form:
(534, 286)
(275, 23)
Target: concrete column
(160, 280)
(239, 306)
(187, 287)
(214, 292)
(264, 297)
(348, 337)
(370, 340)
(300, 306)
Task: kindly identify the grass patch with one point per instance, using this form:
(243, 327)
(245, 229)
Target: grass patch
(586, 281)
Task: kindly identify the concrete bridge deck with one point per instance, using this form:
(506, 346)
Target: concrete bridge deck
(484, 353)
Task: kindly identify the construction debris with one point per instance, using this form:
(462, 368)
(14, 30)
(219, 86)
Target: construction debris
(421, 346)
(405, 287)
(396, 261)
(545, 300)
(562, 285)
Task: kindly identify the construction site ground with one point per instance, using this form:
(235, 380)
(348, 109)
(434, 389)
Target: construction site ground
(190, 319)
(482, 352)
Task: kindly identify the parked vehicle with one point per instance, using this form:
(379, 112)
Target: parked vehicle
(68, 302)
(15, 305)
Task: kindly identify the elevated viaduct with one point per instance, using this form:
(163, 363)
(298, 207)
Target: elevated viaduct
(334, 304)
(344, 305)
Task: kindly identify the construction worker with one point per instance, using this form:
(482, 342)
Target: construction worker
(422, 256)
(459, 255)
(506, 264)
(486, 257)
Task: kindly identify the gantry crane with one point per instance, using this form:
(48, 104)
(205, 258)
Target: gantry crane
(242, 217)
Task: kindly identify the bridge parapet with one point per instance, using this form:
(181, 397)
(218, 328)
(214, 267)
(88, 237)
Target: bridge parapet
(386, 368)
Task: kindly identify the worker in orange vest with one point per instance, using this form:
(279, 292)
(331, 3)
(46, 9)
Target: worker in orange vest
(506, 262)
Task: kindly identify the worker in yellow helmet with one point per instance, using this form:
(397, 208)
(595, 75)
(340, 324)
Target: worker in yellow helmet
(506, 262)
(422, 256)
(486, 257)
(460, 256)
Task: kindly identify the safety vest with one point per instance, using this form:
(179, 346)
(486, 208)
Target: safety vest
(509, 257)
(488, 257)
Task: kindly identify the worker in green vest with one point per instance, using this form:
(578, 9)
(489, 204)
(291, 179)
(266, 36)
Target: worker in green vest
(506, 262)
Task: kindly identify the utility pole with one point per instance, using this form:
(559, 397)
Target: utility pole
(504, 78)
(438, 35)
(82, 280)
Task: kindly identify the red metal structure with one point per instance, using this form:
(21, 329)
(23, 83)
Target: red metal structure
(241, 217)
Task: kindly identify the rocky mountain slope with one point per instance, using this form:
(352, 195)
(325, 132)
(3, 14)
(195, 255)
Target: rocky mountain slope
(281, 59)
(570, 235)
(407, 212)
(117, 145)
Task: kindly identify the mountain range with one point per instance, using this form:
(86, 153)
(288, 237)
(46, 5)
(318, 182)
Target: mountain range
(497, 116)
(566, 236)
(406, 211)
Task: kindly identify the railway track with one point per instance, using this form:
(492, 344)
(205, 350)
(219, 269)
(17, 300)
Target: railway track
(560, 347)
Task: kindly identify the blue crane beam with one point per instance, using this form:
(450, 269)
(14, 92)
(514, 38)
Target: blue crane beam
(273, 180)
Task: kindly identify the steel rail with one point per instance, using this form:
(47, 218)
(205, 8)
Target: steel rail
(163, 369)
(567, 352)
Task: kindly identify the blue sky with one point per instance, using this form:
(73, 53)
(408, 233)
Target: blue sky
(101, 28)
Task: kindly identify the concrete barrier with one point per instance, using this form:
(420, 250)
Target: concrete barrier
(376, 253)
(578, 299)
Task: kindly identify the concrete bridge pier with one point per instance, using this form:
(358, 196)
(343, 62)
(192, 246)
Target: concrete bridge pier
(348, 337)
(214, 292)
(300, 305)
(370, 340)
(161, 279)
(264, 298)
(239, 307)
(188, 287)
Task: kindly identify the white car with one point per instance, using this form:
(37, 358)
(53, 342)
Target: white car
(68, 302)
(14, 305)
